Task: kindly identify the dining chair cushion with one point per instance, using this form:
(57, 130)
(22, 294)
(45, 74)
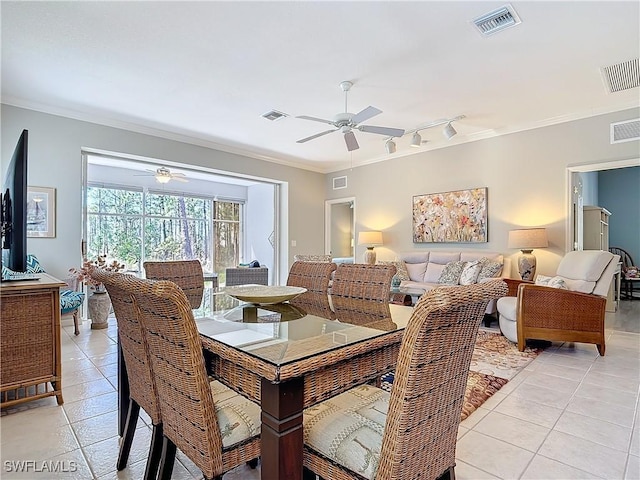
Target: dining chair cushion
(70, 300)
(347, 429)
(238, 417)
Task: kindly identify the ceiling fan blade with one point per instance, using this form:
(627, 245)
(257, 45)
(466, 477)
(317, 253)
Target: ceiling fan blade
(316, 119)
(179, 179)
(365, 114)
(178, 174)
(390, 132)
(350, 140)
(303, 140)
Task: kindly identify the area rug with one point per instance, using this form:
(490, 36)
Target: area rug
(495, 361)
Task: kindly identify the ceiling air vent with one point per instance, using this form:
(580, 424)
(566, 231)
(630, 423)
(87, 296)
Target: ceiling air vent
(339, 182)
(492, 22)
(622, 76)
(626, 131)
(274, 115)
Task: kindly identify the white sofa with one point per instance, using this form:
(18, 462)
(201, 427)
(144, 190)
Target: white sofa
(425, 267)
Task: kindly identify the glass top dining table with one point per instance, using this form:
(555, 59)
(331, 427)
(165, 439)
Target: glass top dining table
(289, 356)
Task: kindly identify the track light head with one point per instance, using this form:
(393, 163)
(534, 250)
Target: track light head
(416, 140)
(449, 131)
(390, 146)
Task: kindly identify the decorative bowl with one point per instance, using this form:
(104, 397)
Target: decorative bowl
(264, 294)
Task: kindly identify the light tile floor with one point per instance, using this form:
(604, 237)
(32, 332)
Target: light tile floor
(569, 415)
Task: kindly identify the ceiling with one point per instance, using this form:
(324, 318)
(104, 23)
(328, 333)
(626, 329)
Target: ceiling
(205, 72)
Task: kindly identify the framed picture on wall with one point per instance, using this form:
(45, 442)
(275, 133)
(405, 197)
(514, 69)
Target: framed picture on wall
(41, 212)
(450, 217)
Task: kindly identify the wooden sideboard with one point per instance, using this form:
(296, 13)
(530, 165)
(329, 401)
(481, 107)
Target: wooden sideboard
(30, 361)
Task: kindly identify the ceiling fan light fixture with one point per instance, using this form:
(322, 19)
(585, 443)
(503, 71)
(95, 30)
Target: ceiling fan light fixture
(449, 132)
(390, 146)
(416, 140)
(162, 178)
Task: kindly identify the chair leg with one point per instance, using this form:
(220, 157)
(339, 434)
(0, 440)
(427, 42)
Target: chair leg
(76, 329)
(167, 460)
(601, 348)
(129, 431)
(155, 453)
(449, 474)
(253, 463)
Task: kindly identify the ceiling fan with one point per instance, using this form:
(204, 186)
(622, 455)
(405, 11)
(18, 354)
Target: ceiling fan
(348, 122)
(164, 175)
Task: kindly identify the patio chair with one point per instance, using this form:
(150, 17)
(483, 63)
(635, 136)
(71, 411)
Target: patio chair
(367, 433)
(244, 276)
(364, 281)
(572, 313)
(142, 389)
(216, 428)
(187, 274)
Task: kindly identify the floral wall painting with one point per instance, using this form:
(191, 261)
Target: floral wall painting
(41, 212)
(450, 217)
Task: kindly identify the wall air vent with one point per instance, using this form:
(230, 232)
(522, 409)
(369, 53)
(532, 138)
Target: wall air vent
(621, 76)
(274, 115)
(499, 19)
(339, 182)
(626, 131)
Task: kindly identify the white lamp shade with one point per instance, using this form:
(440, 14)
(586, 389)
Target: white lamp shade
(528, 238)
(370, 238)
(390, 146)
(416, 140)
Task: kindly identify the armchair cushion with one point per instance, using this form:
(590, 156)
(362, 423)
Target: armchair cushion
(585, 265)
(70, 301)
(553, 282)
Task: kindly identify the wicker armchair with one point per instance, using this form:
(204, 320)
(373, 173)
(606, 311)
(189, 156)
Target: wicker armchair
(187, 274)
(367, 433)
(314, 276)
(571, 314)
(142, 389)
(358, 280)
(244, 276)
(216, 428)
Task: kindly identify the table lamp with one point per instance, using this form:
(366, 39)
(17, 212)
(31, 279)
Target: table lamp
(370, 239)
(526, 239)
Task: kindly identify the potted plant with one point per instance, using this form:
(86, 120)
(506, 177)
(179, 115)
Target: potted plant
(98, 303)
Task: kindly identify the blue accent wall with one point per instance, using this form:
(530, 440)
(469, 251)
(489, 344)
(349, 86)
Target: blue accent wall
(619, 192)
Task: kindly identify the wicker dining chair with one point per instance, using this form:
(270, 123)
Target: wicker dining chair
(215, 427)
(410, 433)
(359, 280)
(187, 274)
(142, 391)
(314, 276)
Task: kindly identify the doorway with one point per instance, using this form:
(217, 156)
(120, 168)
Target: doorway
(340, 223)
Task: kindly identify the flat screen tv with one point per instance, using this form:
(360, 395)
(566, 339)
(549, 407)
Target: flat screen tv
(14, 208)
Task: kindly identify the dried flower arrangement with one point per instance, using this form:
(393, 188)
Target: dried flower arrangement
(83, 274)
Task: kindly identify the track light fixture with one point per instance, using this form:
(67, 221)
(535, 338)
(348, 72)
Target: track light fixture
(416, 138)
(449, 131)
(390, 146)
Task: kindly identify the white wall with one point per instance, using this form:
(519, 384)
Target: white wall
(525, 173)
(259, 221)
(55, 145)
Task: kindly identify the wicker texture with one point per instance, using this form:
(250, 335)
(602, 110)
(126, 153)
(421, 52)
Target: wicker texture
(555, 314)
(312, 258)
(187, 274)
(368, 282)
(186, 402)
(314, 303)
(368, 313)
(314, 276)
(425, 404)
(244, 276)
(132, 340)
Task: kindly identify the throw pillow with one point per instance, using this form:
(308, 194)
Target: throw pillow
(401, 269)
(451, 273)
(490, 268)
(553, 282)
(470, 273)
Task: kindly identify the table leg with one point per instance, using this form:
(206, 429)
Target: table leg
(282, 441)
